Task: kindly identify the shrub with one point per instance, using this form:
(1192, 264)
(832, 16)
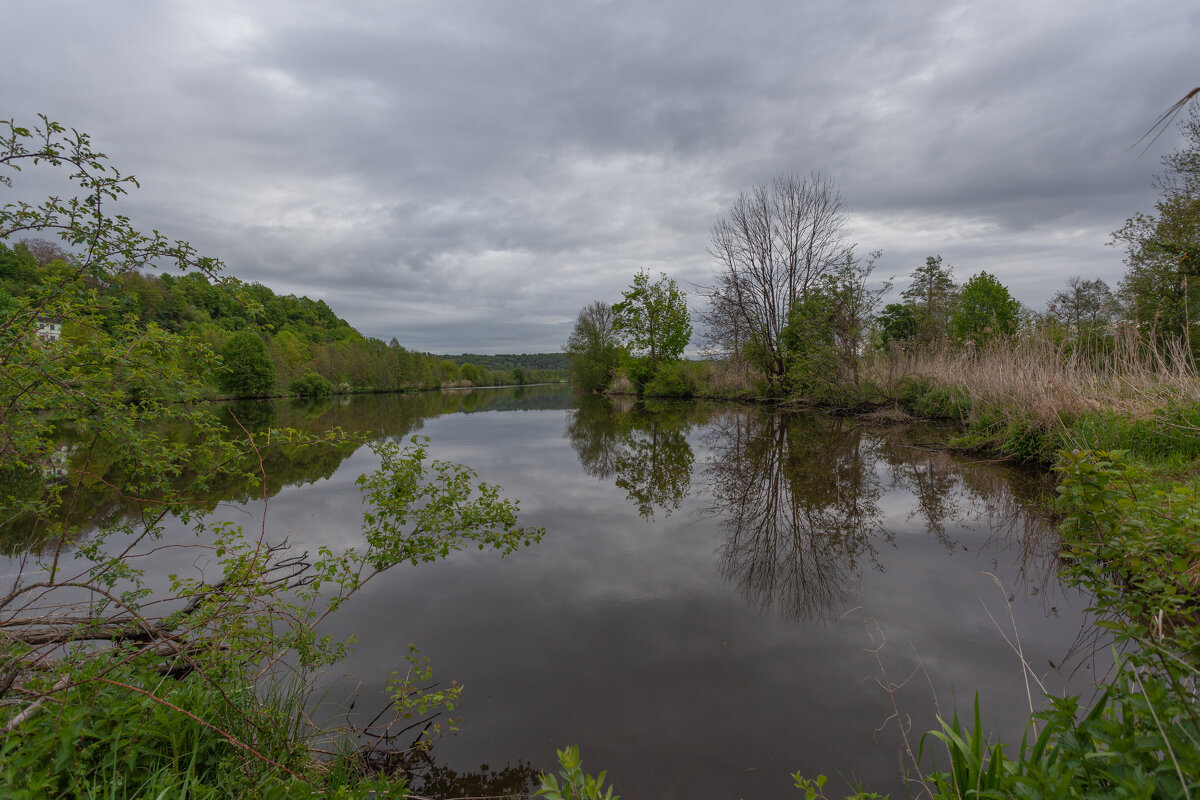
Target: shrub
(673, 379)
(310, 384)
(247, 370)
(923, 398)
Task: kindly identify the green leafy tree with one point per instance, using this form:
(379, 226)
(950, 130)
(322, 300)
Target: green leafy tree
(897, 323)
(653, 319)
(933, 296)
(593, 351)
(1161, 289)
(811, 348)
(826, 332)
(985, 310)
(18, 267)
(246, 369)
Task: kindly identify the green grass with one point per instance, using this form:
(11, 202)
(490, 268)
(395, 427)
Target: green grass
(193, 739)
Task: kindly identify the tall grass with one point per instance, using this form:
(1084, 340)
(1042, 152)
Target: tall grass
(1028, 397)
(1039, 380)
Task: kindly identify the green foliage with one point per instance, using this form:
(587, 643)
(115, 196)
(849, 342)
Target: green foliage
(985, 310)
(675, 379)
(543, 363)
(640, 371)
(1013, 436)
(18, 267)
(826, 334)
(414, 695)
(576, 784)
(1161, 288)
(422, 513)
(310, 384)
(1132, 544)
(246, 371)
(1168, 438)
(932, 295)
(1135, 742)
(592, 349)
(897, 323)
(125, 687)
(653, 319)
(102, 734)
(813, 357)
(976, 768)
(301, 335)
(928, 400)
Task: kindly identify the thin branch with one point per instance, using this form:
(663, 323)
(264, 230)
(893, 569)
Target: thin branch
(1164, 121)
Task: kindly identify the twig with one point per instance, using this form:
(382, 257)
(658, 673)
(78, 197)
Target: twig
(35, 706)
(1026, 670)
(891, 689)
(1164, 121)
(1166, 742)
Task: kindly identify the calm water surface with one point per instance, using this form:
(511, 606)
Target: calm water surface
(701, 614)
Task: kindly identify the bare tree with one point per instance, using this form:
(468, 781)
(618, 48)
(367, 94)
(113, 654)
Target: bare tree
(1084, 308)
(46, 252)
(592, 349)
(777, 240)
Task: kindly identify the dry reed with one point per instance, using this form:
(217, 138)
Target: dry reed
(1031, 379)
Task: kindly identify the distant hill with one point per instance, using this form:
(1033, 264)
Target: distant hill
(305, 347)
(511, 361)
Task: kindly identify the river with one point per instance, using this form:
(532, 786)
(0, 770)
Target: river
(722, 596)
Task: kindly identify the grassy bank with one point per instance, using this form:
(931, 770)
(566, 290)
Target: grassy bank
(1122, 432)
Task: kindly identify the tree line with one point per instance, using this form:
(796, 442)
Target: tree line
(793, 309)
(269, 344)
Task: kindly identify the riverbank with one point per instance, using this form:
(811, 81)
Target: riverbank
(1121, 431)
(1123, 436)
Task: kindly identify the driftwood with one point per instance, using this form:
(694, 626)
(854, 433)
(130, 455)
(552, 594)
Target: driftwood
(173, 638)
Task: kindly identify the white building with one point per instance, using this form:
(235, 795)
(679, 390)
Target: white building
(49, 329)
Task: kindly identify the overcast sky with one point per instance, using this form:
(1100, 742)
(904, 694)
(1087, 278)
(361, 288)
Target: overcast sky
(464, 176)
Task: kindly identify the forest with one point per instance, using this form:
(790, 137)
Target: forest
(269, 344)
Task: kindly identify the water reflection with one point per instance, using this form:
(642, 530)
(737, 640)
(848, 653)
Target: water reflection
(798, 498)
(85, 475)
(426, 776)
(644, 449)
(607, 633)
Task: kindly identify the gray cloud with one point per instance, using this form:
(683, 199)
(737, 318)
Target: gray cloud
(467, 176)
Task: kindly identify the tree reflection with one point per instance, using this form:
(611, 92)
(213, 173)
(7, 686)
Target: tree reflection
(930, 476)
(799, 498)
(88, 474)
(427, 777)
(644, 446)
